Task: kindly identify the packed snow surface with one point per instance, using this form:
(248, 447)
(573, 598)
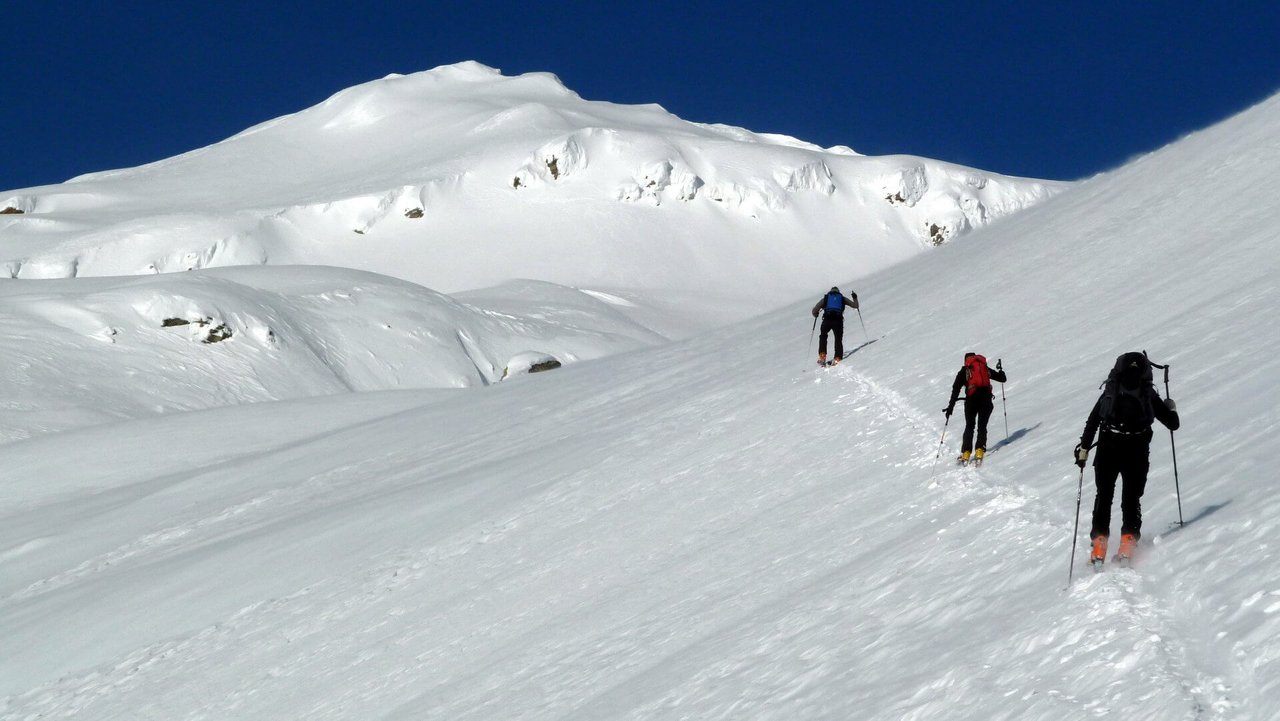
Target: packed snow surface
(707, 528)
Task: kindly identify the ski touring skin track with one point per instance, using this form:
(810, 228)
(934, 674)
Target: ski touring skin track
(1106, 619)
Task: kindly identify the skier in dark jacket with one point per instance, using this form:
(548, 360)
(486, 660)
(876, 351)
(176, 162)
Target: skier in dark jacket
(832, 307)
(1124, 414)
(975, 377)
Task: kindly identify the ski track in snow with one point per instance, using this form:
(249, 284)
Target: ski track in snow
(1138, 629)
(712, 640)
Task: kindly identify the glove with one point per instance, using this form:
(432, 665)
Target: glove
(815, 312)
(1081, 455)
(948, 411)
(998, 366)
(1168, 402)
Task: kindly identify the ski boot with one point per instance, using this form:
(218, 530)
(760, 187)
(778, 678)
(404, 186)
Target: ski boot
(964, 458)
(1099, 553)
(977, 456)
(822, 360)
(1124, 556)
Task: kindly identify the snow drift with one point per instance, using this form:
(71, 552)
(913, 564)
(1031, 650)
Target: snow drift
(97, 350)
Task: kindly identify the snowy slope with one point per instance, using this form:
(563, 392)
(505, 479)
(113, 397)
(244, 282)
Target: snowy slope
(94, 350)
(461, 178)
(710, 528)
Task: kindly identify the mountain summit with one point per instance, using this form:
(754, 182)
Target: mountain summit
(461, 177)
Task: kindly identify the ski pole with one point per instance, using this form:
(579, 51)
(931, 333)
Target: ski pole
(1075, 537)
(1004, 405)
(864, 325)
(1172, 447)
(809, 349)
(940, 442)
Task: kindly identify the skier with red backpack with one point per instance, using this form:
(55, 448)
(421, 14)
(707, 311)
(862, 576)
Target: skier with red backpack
(832, 307)
(975, 377)
(1123, 414)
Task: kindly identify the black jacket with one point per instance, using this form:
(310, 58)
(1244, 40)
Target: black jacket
(1162, 413)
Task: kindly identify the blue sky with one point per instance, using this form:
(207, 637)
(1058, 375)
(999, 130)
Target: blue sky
(1058, 92)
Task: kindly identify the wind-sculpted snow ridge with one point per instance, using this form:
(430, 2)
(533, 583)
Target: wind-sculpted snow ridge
(94, 350)
(460, 177)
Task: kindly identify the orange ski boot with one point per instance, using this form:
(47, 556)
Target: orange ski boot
(1099, 553)
(1128, 541)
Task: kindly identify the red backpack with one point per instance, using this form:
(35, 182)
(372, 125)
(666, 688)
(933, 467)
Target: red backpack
(976, 373)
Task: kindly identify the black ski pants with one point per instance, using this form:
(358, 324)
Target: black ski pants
(833, 323)
(977, 411)
(1129, 461)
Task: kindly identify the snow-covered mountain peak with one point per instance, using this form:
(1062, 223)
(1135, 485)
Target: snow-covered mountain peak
(461, 177)
(443, 94)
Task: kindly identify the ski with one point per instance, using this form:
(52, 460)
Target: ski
(1122, 561)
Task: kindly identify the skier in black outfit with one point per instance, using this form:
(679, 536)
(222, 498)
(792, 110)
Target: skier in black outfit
(975, 377)
(1124, 413)
(832, 307)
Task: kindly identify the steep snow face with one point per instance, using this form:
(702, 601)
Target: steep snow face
(460, 178)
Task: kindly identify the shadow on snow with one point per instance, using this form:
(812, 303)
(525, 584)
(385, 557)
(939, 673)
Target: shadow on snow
(1015, 436)
(1204, 512)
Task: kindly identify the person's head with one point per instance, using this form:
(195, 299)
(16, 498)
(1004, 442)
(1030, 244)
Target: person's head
(969, 355)
(1131, 368)
(834, 290)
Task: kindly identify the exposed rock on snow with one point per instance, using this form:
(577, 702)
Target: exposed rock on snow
(529, 362)
(906, 186)
(215, 333)
(17, 205)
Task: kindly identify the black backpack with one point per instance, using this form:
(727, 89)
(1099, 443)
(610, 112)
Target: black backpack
(1126, 396)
